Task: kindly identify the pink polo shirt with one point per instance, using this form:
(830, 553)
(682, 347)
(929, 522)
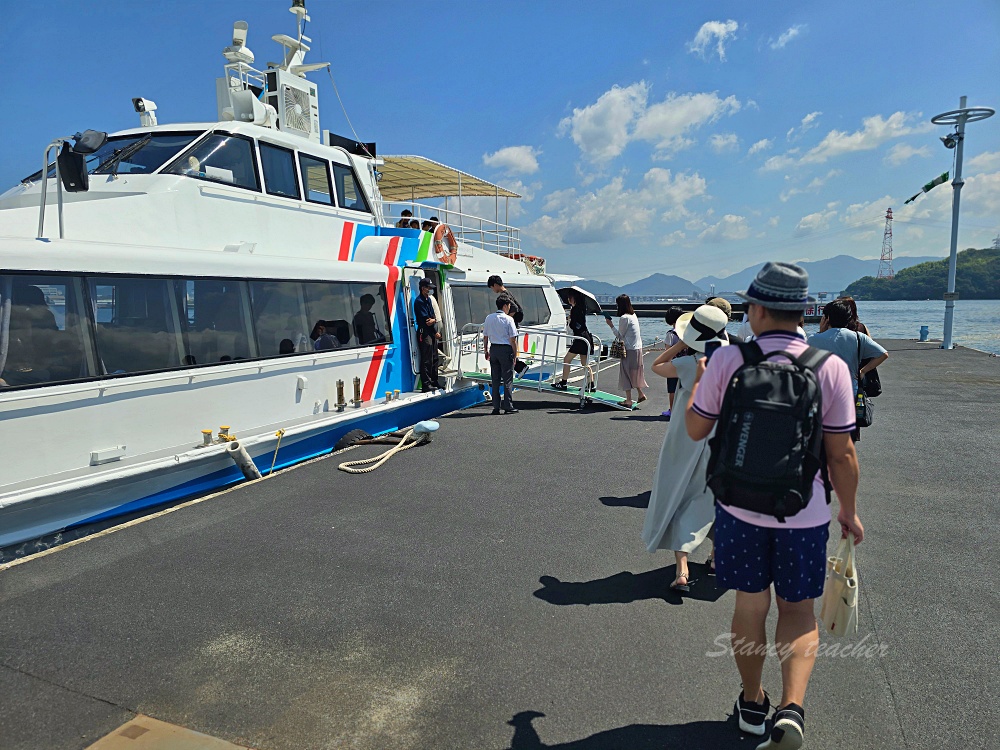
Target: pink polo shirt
(838, 415)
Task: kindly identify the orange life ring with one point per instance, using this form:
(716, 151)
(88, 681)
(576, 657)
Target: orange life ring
(443, 235)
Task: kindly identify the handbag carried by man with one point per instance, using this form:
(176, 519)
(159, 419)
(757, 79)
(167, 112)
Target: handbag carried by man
(618, 349)
(839, 611)
(863, 407)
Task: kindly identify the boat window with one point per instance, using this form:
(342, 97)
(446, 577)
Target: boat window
(45, 334)
(279, 318)
(157, 151)
(215, 316)
(138, 324)
(536, 307)
(330, 312)
(278, 165)
(316, 180)
(349, 192)
(472, 304)
(228, 159)
(370, 323)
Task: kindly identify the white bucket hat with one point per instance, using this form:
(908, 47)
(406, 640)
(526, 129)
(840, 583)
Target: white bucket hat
(707, 323)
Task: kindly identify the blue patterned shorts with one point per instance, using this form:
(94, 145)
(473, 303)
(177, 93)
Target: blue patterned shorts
(750, 558)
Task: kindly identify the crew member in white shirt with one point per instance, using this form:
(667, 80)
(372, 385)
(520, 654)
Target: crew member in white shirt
(500, 341)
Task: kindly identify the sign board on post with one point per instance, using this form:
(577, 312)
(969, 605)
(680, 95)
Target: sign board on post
(950, 296)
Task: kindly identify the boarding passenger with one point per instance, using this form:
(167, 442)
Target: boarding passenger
(764, 538)
(681, 507)
(365, 323)
(286, 346)
(426, 226)
(500, 341)
(583, 349)
(855, 324)
(668, 342)
(853, 347)
(516, 311)
(427, 336)
(404, 220)
(630, 368)
(414, 224)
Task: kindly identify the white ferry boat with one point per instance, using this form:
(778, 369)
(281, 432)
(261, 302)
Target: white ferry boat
(169, 284)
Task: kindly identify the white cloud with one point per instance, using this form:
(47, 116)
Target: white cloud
(788, 36)
(729, 228)
(761, 145)
(773, 221)
(984, 162)
(816, 222)
(603, 129)
(713, 32)
(724, 142)
(514, 159)
(613, 211)
(874, 132)
(673, 238)
(813, 187)
(809, 122)
(902, 151)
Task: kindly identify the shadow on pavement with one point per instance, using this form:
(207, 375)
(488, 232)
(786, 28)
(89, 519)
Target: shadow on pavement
(697, 734)
(636, 501)
(643, 418)
(626, 587)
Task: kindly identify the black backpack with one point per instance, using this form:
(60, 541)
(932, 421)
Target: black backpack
(768, 443)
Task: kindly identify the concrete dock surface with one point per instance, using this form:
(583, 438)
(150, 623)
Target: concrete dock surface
(490, 590)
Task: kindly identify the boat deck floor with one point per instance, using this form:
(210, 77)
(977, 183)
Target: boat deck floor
(490, 590)
(613, 400)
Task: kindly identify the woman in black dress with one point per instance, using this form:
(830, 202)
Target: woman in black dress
(578, 325)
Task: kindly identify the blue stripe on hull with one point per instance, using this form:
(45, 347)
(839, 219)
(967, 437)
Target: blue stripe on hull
(302, 450)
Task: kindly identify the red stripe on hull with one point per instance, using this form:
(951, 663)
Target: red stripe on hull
(375, 368)
(393, 252)
(345, 241)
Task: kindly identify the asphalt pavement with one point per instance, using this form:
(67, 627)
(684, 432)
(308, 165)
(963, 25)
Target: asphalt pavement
(490, 590)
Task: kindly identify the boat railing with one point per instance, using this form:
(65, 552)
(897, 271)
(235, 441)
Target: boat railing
(487, 234)
(545, 362)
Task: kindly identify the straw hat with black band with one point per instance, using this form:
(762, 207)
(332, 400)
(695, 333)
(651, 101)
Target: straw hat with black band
(705, 324)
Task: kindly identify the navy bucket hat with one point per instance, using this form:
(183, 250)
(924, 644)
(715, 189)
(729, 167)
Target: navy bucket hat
(780, 286)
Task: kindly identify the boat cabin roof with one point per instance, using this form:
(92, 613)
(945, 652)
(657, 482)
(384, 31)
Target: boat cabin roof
(410, 178)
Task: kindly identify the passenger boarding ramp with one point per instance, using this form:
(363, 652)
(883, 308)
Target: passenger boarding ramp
(544, 366)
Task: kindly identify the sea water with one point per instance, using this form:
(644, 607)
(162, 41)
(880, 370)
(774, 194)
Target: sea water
(977, 322)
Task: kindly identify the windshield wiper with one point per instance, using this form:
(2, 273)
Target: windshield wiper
(119, 156)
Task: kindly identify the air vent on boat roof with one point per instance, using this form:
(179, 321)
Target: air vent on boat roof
(351, 146)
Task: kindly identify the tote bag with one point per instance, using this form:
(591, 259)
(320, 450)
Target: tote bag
(839, 612)
(863, 407)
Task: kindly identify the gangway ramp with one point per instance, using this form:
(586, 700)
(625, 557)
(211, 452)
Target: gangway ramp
(543, 386)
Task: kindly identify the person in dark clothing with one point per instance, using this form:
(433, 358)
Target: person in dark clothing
(427, 336)
(578, 326)
(366, 324)
(516, 311)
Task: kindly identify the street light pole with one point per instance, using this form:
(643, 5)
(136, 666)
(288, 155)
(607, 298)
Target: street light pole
(958, 118)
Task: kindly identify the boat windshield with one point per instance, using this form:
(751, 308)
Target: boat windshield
(139, 153)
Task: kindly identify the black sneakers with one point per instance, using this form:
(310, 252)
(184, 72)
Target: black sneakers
(787, 730)
(753, 716)
(561, 385)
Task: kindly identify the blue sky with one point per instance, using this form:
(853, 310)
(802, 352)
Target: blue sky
(685, 138)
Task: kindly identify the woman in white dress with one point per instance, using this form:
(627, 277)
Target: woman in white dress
(630, 370)
(681, 507)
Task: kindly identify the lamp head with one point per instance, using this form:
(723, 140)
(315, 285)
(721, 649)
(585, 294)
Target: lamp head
(950, 140)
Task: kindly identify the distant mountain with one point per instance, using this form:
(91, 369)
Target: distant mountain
(830, 275)
(658, 284)
(598, 287)
(978, 278)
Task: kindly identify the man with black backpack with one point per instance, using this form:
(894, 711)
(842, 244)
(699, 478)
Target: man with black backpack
(785, 413)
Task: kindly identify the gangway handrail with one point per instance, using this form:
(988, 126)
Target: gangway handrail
(542, 357)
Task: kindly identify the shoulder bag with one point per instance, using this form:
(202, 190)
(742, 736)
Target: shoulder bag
(618, 349)
(863, 408)
(839, 612)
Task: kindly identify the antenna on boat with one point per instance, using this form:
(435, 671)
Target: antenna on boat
(295, 49)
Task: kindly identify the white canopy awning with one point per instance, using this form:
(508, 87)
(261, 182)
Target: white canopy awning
(410, 178)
